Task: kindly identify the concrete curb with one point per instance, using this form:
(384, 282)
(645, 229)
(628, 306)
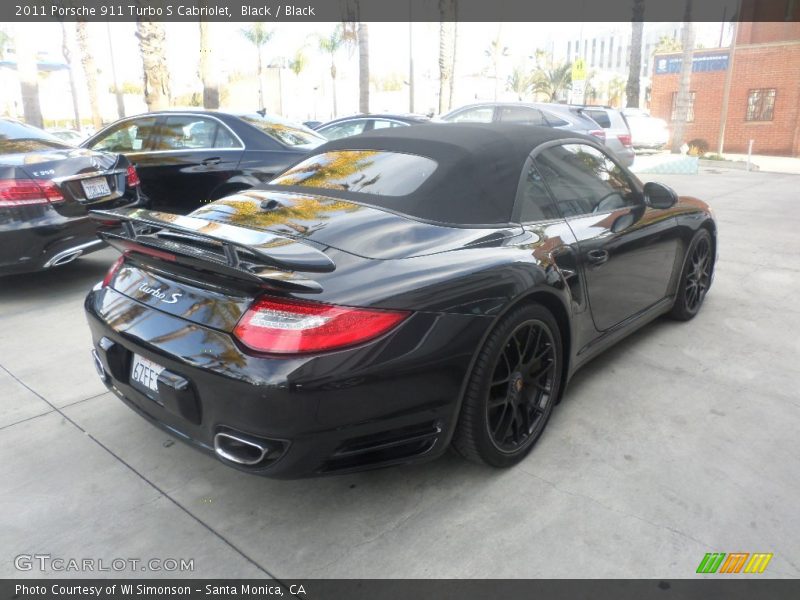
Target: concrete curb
(739, 165)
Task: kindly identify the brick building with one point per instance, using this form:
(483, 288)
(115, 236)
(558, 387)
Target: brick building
(764, 98)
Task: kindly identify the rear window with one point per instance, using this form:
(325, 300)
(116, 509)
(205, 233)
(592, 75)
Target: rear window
(18, 138)
(284, 132)
(361, 171)
(600, 117)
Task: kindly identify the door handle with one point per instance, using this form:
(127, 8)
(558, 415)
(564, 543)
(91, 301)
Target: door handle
(211, 161)
(597, 257)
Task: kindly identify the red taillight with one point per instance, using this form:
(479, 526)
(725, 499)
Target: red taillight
(625, 138)
(24, 192)
(278, 326)
(599, 134)
(113, 270)
(132, 177)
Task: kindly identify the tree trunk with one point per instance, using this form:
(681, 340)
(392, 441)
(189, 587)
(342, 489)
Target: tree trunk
(117, 91)
(89, 71)
(683, 98)
(363, 68)
(452, 86)
(154, 64)
(446, 59)
(208, 71)
(635, 68)
(71, 72)
(28, 74)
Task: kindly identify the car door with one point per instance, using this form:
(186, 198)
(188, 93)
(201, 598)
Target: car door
(134, 138)
(627, 250)
(193, 156)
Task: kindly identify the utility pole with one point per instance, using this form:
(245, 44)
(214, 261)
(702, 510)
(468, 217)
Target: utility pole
(726, 90)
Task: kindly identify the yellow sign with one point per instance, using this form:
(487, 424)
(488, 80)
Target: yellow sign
(579, 70)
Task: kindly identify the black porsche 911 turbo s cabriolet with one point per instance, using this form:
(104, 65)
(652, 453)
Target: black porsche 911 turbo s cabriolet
(391, 295)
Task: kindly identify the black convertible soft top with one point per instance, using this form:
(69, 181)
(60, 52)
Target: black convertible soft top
(479, 168)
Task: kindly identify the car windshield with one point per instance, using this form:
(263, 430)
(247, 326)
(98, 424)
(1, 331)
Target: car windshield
(285, 132)
(17, 138)
(361, 171)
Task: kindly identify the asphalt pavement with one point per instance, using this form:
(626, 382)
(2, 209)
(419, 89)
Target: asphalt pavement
(681, 440)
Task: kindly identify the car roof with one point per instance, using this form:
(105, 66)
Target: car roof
(411, 118)
(478, 166)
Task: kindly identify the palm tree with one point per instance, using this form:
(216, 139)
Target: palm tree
(71, 72)
(152, 40)
(208, 71)
(259, 36)
(635, 68)
(28, 73)
(331, 44)
(5, 40)
(519, 82)
(683, 99)
(495, 52)
(553, 82)
(298, 63)
(616, 90)
(89, 71)
(447, 52)
(363, 68)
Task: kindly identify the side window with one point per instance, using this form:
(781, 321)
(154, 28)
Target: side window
(187, 132)
(600, 117)
(341, 130)
(130, 136)
(522, 114)
(533, 199)
(480, 114)
(584, 180)
(384, 124)
(225, 139)
(554, 121)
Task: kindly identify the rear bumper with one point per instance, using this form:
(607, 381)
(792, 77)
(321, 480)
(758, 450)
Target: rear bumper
(41, 247)
(394, 400)
(39, 237)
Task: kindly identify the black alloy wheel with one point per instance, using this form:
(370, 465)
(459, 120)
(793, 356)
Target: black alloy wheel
(696, 277)
(512, 390)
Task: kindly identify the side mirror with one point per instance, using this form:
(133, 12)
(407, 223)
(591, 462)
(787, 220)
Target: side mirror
(658, 195)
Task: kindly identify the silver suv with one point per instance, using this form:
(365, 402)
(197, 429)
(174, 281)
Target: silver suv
(618, 132)
(558, 116)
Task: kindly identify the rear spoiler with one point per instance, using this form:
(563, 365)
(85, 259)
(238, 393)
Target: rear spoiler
(256, 256)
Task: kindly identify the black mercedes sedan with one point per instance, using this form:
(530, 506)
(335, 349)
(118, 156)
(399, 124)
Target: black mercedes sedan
(188, 158)
(47, 187)
(391, 295)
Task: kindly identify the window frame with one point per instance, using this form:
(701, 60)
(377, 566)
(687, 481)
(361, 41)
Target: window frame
(148, 143)
(633, 181)
(674, 107)
(516, 212)
(774, 96)
(164, 117)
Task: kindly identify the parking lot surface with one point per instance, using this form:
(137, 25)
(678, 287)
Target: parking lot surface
(681, 440)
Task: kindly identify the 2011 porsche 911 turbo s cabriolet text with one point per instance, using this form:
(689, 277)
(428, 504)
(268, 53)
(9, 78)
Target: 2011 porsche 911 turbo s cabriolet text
(391, 295)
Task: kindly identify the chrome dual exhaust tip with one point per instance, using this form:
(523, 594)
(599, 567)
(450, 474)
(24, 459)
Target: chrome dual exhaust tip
(63, 259)
(98, 365)
(239, 450)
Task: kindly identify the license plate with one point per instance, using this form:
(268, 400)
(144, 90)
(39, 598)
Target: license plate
(144, 376)
(96, 187)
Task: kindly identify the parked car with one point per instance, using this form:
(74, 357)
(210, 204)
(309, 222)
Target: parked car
(392, 294)
(558, 116)
(46, 189)
(647, 132)
(618, 134)
(70, 136)
(347, 126)
(312, 124)
(187, 158)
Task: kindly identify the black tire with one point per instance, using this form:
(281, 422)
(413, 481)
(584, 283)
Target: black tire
(695, 277)
(521, 405)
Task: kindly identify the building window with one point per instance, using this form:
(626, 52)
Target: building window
(760, 104)
(689, 113)
(619, 56)
(569, 51)
(602, 53)
(611, 53)
(594, 51)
